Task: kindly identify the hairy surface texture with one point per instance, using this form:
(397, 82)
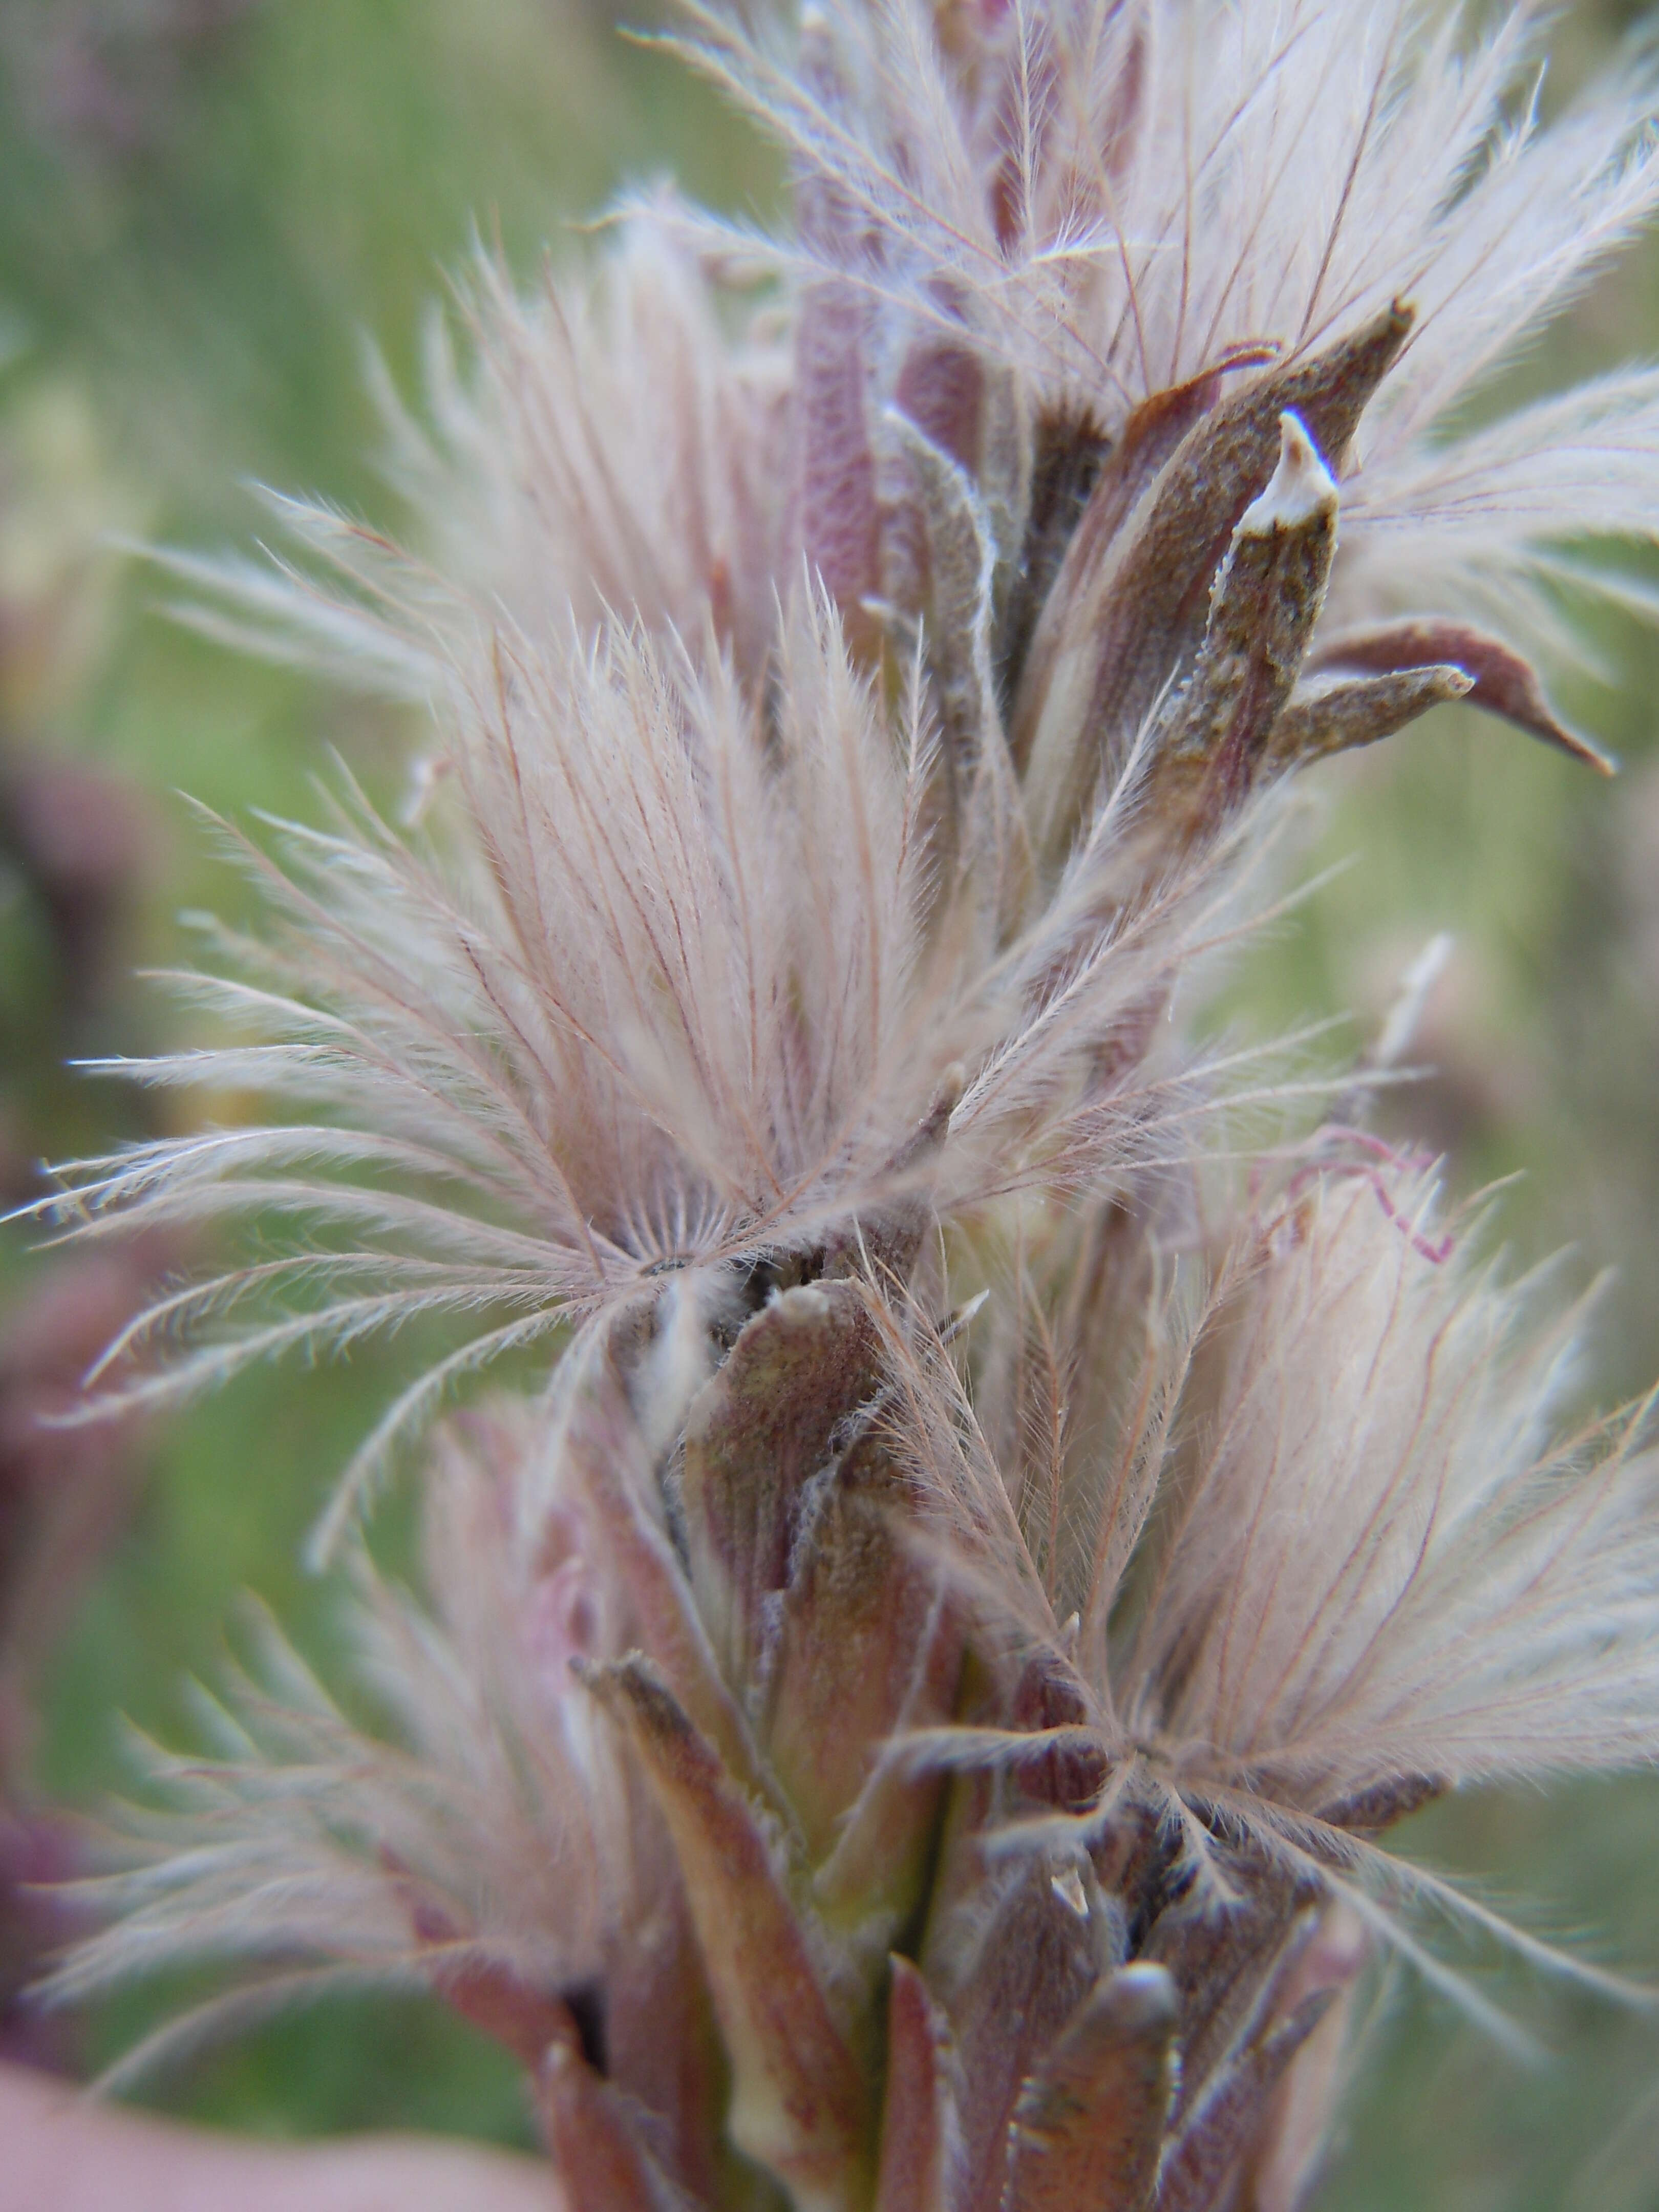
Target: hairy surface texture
(909, 1698)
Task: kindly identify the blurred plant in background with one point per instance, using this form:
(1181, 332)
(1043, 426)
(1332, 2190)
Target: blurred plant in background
(201, 210)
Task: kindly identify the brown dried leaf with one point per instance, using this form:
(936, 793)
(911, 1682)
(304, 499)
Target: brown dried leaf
(1337, 717)
(1265, 602)
(1501, 680)
(1071, 455)
(1132, 601)
(1084, 490)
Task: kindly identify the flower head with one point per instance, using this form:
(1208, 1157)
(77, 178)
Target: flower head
(854, 701)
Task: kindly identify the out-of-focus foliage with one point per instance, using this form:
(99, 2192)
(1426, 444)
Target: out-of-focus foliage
(205, 205)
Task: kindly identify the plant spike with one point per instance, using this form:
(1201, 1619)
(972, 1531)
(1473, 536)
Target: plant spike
(1014, 1502)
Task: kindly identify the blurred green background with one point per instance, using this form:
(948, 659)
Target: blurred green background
(205, 206)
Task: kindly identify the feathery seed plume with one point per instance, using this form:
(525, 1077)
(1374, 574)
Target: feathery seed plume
(909, 1708)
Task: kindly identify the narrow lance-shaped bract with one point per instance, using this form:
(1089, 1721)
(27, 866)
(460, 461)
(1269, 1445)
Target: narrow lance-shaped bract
(932, 1660)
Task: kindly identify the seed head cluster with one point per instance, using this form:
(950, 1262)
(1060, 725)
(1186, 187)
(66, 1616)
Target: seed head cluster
(1013, 1503)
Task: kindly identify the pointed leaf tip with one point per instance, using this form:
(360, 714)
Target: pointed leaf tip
(1338, 716)
(1124, 620)
(1502, 681)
